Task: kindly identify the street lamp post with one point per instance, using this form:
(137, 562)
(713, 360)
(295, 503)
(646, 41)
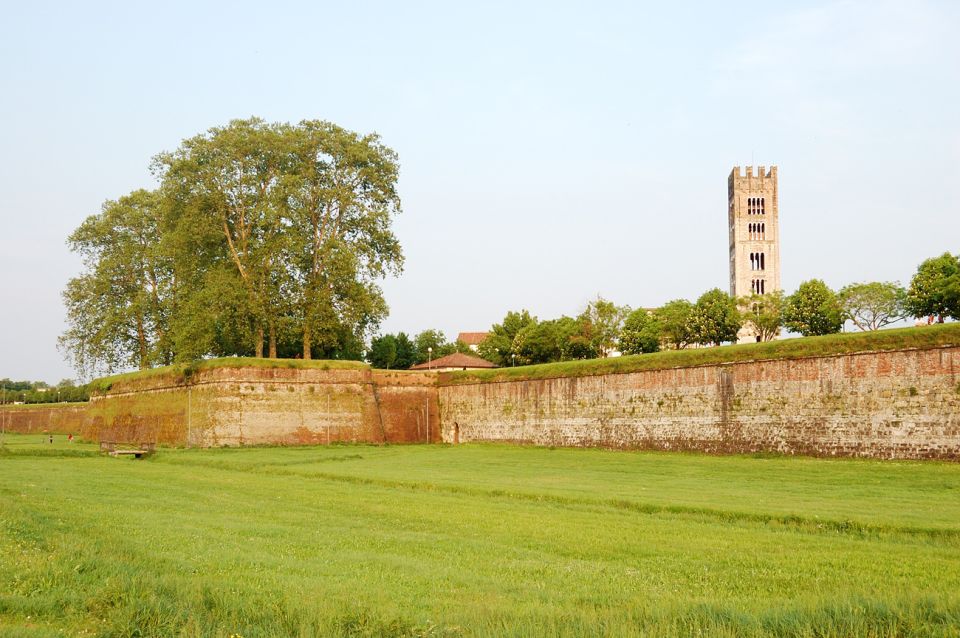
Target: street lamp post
(513, 359)
(429, 356)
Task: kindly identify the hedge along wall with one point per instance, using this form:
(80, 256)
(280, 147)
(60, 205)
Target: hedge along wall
(255, 405)
(53, 418)
(890, 404)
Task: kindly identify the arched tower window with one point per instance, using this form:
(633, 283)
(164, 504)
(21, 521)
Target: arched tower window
(762, 265)
(752, 262)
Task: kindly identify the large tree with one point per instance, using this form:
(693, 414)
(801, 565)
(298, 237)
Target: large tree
(300, 216)
(603, 320)
(230, 208)
(935, 288)
(261, 234)
(499, 345)
(674, 320)
(118, 309)
(813, 310)
(763, 314)
(383, 352)
(340, 197)
(406, 351)
(560, 339)
(641, 332)
(873, 305)
(715, 318)
(431, 344)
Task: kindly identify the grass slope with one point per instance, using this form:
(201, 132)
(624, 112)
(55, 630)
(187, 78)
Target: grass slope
(844, 343)
(44, 406)
(183, 371)
(473, 540)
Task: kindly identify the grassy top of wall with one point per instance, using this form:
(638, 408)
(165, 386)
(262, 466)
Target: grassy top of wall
(844, 343)
(45, 406)
(183, 372)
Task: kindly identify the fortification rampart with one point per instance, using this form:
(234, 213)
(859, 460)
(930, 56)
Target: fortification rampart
(256, 405)
(887, 402)
(53, 418)
(892, 404)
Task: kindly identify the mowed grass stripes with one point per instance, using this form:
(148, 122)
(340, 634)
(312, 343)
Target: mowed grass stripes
(473, 541)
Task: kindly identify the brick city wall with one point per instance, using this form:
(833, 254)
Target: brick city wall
(50, 418)
(894, 404)
(238, 406)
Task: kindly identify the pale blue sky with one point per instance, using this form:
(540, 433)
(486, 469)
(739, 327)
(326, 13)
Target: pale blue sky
(549, 151)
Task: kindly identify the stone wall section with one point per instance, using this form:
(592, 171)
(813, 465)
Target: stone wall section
(894, 404)
(246, 406)
(45, 418)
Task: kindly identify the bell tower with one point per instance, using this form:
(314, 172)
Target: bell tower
(753, 213)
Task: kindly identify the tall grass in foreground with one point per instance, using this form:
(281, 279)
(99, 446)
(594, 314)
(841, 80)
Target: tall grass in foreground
(472, 541)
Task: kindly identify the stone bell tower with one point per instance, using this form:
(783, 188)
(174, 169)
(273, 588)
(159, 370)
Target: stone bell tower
(753, 213)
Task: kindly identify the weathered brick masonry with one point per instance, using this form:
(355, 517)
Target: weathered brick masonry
(237, 406)
(49, 417)
(894, 404)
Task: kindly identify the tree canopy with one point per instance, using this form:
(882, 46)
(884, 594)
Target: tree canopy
(873, 305)
(260, 236)
(813, 310)
(641, 332)
(714, 318)
(763, 314)
(935, 288)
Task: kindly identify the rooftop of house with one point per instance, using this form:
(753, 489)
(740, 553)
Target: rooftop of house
(472, 338)
(455, 360)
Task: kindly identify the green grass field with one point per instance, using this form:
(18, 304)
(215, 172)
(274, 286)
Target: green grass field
(474, 540)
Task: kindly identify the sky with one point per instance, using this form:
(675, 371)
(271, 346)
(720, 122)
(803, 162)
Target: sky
(550, 152)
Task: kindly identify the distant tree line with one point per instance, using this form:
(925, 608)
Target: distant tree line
(261, 240)
(716, 317)
(40, 392)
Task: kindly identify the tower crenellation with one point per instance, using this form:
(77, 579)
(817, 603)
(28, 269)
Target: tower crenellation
(754, 227)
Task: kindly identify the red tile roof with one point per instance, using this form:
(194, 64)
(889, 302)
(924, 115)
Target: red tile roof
(472, 338)
(455, 360)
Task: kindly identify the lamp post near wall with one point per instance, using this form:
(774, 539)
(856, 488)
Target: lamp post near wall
(513, 359)
(429, 356)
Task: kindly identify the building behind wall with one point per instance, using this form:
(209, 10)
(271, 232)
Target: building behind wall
(753, 213)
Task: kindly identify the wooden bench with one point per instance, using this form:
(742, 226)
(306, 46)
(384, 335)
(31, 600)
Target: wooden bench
(126, 449)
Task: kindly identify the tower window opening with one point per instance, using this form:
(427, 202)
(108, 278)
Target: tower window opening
(762, 265)
(763, 231)
(752, 262)
(762, 287)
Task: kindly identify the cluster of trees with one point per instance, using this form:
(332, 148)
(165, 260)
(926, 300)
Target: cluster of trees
(399, 352)
(261, 239)
(716, 317)
(604, 327)
(41, 392)
(523, 339)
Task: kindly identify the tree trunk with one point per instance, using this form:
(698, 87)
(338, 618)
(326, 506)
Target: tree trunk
(273, 341)
(142, 339)
(306, 343)
(258, 346)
